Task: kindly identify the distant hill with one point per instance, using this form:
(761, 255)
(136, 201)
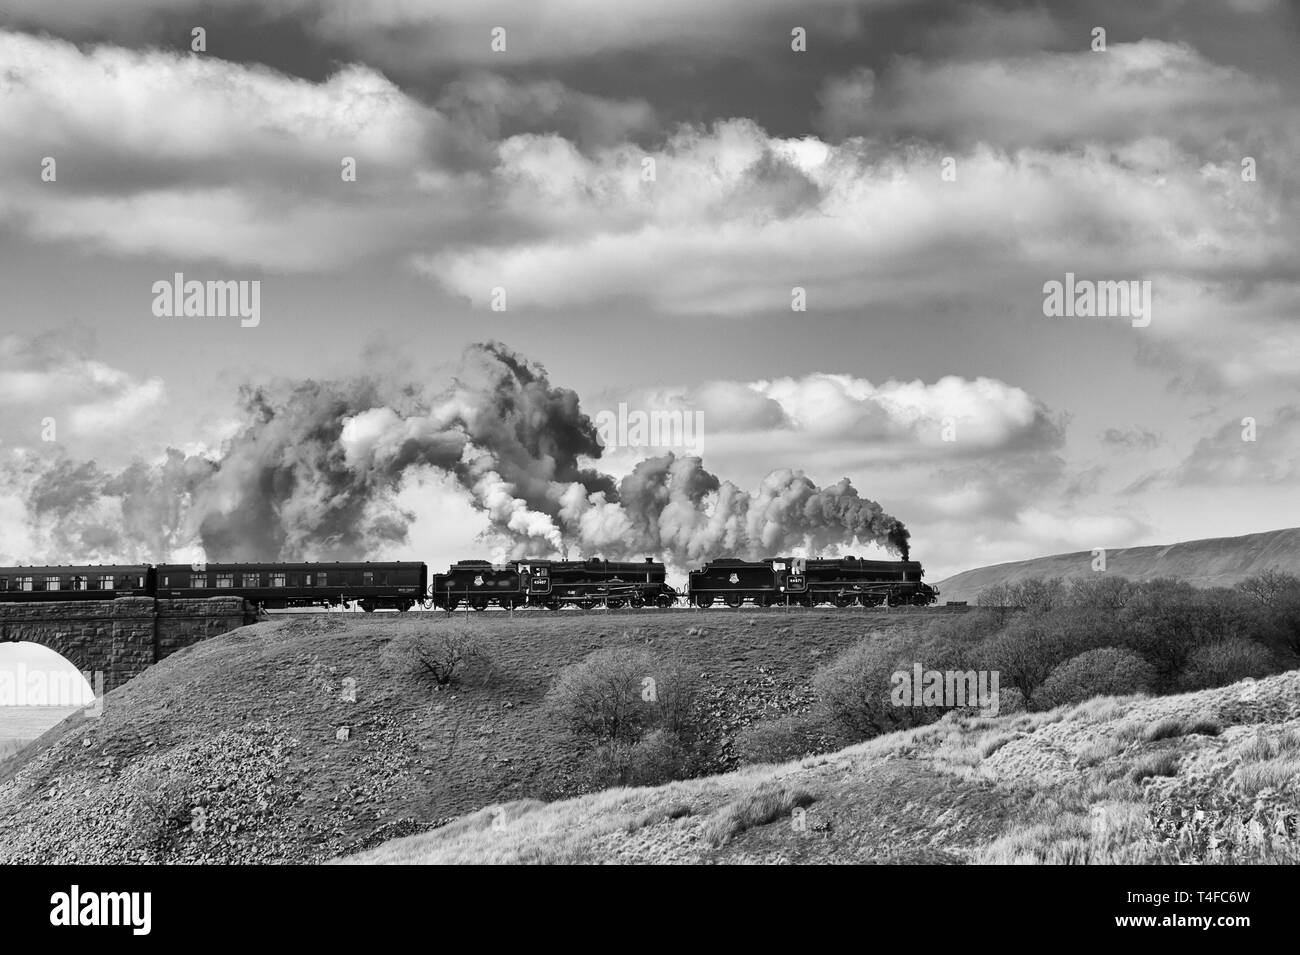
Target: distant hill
(1213, 562)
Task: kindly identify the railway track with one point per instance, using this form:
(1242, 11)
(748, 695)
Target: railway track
(648, 612)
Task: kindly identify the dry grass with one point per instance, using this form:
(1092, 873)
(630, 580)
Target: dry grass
(528, 832)
(765, 804)
(1088, 822)
(1269, 763)
(1156, 764)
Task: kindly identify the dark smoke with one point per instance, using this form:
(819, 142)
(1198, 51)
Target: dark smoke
(315, 470)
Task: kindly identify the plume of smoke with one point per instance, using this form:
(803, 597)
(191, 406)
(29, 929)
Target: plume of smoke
(314, 469)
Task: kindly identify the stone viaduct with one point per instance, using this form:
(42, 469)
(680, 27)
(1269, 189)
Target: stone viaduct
(121, 638)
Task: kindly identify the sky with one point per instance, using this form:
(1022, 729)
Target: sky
(919, 169)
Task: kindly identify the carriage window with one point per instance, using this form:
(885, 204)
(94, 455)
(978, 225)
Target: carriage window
(306, 579)
(106, 582)
(252, 580)
(80, 583)
(368, 578)
(225, 580)
(320, 579)
(51, 583)
(277, 580)
(4, 581)
(199, 580)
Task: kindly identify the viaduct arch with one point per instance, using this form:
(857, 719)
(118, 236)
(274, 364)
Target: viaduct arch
(124, 637)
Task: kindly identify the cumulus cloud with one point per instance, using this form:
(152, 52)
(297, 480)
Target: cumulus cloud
(98, 408)
(1237, 454)
(952, 417)
(457, 31)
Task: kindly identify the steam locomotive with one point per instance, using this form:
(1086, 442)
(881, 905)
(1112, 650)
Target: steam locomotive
(479, 584)
(806, 582)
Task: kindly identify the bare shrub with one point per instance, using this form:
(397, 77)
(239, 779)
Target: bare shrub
(444, 656)
(1218, 664)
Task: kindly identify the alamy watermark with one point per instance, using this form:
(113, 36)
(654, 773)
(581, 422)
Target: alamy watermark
(947, 689)
(1084, 298)
(640, 429)
(178, 298)
(22, 685)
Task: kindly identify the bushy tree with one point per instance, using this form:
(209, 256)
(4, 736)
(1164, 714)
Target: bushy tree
(1107, 671)
(1164, 622)
(1104, 592)
(1270, 587)
(853, 690)
(635, 709)
(1226, 661)
(1025, 653)
(1038, 594)
(621, 693)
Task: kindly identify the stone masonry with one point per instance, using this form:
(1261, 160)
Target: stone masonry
(123, 637)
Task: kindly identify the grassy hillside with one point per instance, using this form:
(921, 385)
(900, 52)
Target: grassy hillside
(1214, 562)
(229, 750)
(1211, 776)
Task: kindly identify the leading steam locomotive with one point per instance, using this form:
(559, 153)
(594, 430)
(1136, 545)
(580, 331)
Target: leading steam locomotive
(479, 584)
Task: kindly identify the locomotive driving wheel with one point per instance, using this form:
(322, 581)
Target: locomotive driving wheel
(553, 603)
(663, 602)
(843, 600)
(637, 601)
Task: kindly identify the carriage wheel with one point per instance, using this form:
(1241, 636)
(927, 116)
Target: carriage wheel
(478, 605)
(735, 600)
(704, 600)
(368, 606)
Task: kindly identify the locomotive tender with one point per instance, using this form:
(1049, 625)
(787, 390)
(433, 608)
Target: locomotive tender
(479, 584)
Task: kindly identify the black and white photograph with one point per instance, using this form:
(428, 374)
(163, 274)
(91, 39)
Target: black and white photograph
(566, 432)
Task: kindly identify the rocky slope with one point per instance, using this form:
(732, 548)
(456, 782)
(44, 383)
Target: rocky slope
(249, 747)
(1204, 777)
